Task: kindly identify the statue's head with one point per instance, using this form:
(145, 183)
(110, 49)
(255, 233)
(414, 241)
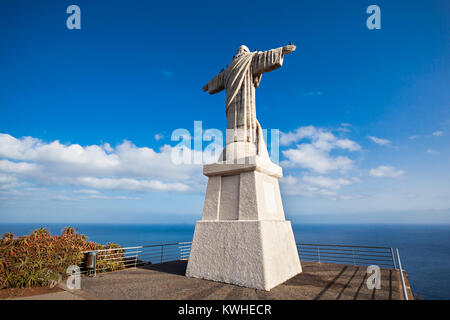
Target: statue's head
(242, 49)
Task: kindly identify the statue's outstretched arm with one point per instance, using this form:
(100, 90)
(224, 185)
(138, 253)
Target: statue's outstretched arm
(215, 85)
(289, 48)
(270, 60)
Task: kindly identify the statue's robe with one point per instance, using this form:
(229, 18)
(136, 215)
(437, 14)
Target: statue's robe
(240, 79)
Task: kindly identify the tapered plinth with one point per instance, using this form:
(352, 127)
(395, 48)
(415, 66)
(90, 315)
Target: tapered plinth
(243, 237)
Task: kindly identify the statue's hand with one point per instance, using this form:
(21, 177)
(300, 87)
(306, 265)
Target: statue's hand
(289, 48)
(205, 88)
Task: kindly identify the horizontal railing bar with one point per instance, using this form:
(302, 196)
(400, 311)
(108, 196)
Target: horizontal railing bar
(102, 254)
(108, 267)
(160, 245)
(344, 255)
(341, 262)
(159, 252)
(116, 260)
(151, 255)
(155, 253)
(388, 266)
(116, 253)
(346, 258)
(349, 254)
(159, 258)
(166, 249)
(344, 250)
(128, 254)
(112, 249)
(340, 245)
(116, 257)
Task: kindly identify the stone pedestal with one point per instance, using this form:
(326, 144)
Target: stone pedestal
(243, 237)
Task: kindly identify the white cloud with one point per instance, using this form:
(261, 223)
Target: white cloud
(107, 147)
(381, 142)
(347, 144)
(386, 171)
(316, 186)
(16, 167)
(297, 135)
(86, 191)
(317, 154)
(158, 136)
(8, 182)
(31, 149)
(343, 129)
(125, 167)
(322, 139)
(310, 157)
(438, 133)
(414, 137)
(131, 184)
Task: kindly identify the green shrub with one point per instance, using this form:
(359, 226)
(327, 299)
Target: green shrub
(39, 258)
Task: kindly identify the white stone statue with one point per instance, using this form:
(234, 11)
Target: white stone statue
(243, 237)
(240, 79)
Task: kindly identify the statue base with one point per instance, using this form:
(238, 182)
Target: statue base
(254, 254)
(243, 237)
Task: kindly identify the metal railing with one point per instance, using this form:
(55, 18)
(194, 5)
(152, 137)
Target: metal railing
(120, 258)
(405, 293)
(347, 254)
(326, 253)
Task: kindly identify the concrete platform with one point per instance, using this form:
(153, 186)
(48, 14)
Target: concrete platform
(167, 281)
(64, 295)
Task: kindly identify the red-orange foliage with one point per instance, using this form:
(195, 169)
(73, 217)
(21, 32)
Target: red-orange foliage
(39, 258)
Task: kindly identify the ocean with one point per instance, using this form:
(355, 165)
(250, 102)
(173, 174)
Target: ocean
(424, 249)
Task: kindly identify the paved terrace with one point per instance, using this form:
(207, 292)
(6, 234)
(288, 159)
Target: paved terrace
(323, 281)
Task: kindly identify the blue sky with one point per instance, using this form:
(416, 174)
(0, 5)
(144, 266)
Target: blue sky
(86, 115)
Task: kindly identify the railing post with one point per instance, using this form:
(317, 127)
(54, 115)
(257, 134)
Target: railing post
(353, 256)
(405, 293)
(95, 269)
(162, 248)
(393, 259)
(135, 258)
(318, 253)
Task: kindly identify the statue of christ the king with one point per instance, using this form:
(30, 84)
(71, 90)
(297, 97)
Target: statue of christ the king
(240, 79)
(243, 237)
